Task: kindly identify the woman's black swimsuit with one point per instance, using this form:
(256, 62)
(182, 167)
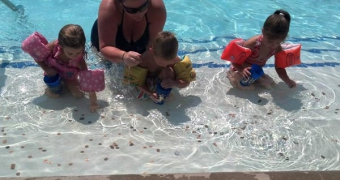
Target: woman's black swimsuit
(121, 43)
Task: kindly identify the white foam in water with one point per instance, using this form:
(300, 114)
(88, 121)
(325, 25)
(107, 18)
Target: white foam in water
(206, 127)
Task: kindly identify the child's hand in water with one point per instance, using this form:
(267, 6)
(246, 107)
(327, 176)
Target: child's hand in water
(94, 106)
(154, 97)
(168, 83)
(291, 83)
(50, 71)
(246, 73)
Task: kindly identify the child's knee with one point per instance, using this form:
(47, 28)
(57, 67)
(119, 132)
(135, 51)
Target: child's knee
(266, 81)
(235, 77)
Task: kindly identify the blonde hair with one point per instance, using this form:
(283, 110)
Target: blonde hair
(165, 45)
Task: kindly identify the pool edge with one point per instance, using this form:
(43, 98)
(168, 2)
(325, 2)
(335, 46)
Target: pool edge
(291, 175)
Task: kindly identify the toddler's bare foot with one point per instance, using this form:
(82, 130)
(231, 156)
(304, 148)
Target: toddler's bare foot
(50, 94)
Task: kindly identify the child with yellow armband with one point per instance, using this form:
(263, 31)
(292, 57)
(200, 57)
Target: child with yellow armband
(172, 72)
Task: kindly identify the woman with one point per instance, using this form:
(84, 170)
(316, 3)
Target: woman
(125, 29)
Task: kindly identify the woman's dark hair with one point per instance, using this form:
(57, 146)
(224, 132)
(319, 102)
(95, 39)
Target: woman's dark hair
(72, 35)
(277, 25)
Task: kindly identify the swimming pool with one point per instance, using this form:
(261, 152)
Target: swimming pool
(208, 127)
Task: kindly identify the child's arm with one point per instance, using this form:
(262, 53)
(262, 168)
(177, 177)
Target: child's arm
(285, 78)
(244, 71)
(152, 95)
(238, 67)
(48, 70)
(93, 101)
(82, 65)
(250, 44)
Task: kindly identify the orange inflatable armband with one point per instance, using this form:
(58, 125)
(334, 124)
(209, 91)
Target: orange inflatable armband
(289, 56)
(235, 52)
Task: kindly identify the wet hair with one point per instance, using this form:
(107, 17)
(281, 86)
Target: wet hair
(165, 45)
(277, 25)
(72, 35)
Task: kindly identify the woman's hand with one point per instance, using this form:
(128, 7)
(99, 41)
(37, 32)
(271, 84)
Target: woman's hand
(131, 58)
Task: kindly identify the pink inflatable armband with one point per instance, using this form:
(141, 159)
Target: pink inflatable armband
(92, 80)
(235, 52)
(35, 46)
(289, 56)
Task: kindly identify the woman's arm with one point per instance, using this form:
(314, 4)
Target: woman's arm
(181, 83)
(157, 17)
(108, 20)
(282, 73)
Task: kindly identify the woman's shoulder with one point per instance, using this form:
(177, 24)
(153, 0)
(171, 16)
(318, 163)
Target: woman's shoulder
(156, 8)
(109, 7)
(157, 3)
(109, 3)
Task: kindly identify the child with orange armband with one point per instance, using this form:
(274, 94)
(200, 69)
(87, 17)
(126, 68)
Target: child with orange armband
(64, 60)
(258, 49)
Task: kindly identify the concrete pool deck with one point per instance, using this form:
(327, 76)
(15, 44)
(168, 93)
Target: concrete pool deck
(291, 175)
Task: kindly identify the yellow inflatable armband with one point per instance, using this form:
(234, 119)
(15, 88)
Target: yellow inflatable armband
(184, 70)
(135, 75)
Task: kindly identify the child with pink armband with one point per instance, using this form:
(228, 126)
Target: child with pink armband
(64, 59)
(258, 49)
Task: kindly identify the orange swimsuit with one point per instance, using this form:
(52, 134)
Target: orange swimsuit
(254, 58)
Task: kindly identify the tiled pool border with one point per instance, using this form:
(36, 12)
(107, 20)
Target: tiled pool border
(289, 175)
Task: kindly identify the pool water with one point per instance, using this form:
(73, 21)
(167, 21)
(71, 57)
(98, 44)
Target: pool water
(207, 127)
